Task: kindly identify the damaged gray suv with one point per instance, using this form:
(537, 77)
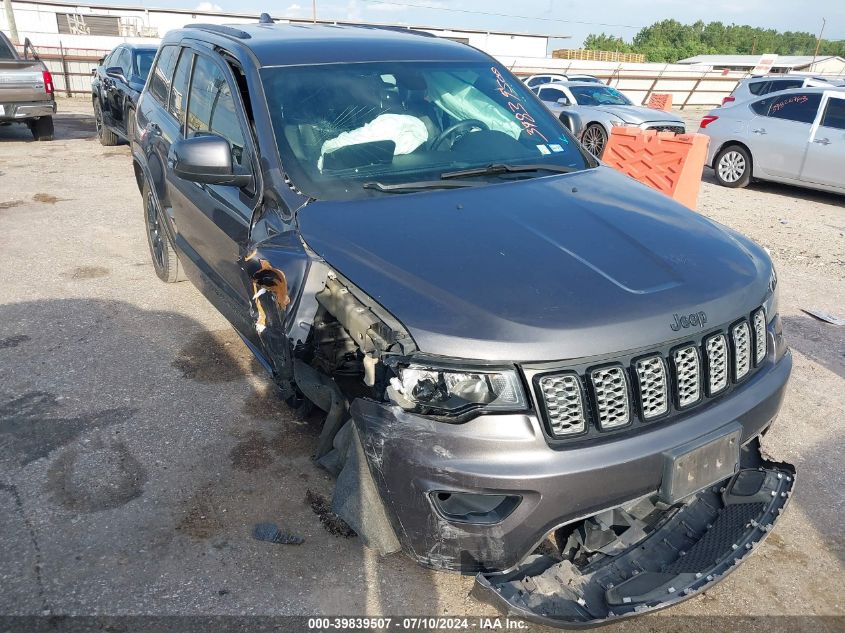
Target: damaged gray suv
(533, 368)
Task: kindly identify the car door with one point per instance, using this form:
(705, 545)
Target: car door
(213, 220)
(108, 85)
(120, 88)
(825, 161)
(779, 131)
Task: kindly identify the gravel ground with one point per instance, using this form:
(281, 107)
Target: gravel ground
(139, 442)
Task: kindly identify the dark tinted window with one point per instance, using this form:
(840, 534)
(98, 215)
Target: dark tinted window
(163, 73)
(143, 62)
(799, 107)
(759, 87)
(213, 108)
(5, 51)
(552, 94)
(761, 107)
(834, 114)
(124, 61)
(784, 84)
(179, 93)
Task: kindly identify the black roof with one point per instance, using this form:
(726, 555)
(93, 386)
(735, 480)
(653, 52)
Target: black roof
(140, 47)
(296, 44)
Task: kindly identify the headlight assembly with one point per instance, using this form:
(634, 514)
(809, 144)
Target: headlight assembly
(452, 392)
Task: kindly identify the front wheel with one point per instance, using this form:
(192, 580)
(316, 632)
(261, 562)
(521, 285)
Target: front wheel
(594, 139)
(733, 167)
(42, 128)
(165, 261)
(106, 136)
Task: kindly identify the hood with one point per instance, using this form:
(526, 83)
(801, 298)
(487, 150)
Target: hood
(639, 114)
(549, 268)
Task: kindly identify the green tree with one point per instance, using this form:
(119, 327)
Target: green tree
(669, 41)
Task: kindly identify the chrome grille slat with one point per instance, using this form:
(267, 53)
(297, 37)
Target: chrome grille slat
(564, 404)
(758, 320)
(741, 338)
(687, 375)
(651, 380)
(663, 382)
(610, 388)
(717, 363)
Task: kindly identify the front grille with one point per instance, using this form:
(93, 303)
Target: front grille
(700, 369)
(651, 380)
(610, 389)
(564, 404)
(687, 375)
(675, 129)
(717, 363)
(758, 320)
(740, 337)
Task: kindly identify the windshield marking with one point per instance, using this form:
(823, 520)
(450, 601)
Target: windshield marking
(520, 113)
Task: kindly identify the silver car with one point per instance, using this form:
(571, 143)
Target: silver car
(791, 136)
(591, 110)
(760, 86)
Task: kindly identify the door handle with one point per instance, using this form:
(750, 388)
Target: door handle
(155, 130)
(761, 130)
(822, 141)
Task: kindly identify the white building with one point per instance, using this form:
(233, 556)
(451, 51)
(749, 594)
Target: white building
(47, 23)
(823, 64)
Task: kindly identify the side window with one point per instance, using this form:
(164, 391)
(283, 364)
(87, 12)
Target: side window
(800, 107)
(553, 95)
(124, 60)
(784, 84)
(834, 114)
(759, 87)
(761, 107)
(212, 108)
(163, 73)
(179, 93)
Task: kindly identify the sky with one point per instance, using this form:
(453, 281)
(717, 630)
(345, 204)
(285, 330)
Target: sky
(548, 17)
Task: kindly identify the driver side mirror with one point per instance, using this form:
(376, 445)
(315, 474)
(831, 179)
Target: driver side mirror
(115, 72)
(207, 159)
(563, 101)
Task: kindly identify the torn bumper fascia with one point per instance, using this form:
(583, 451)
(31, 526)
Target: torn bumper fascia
(689, 552)
(411, 456)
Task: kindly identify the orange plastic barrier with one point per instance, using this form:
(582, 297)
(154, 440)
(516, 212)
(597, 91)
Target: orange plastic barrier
(670, 163)
(660, 101)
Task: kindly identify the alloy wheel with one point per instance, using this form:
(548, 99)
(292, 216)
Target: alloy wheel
(594, 140)
(731, 166)
(154, 231)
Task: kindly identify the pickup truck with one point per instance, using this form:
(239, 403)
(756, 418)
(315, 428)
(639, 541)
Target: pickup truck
(26, 90)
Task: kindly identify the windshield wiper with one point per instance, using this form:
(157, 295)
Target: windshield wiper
(501, 168)
(407, 187)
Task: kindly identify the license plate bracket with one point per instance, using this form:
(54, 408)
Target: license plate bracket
(702, 462)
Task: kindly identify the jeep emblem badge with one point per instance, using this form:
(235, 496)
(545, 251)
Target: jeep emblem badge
(696, 319)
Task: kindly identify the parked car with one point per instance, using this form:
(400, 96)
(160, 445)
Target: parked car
(116, 85)
(593, 110)
(538, 80)
(792, 136)
(509, 339)
(26, 90)
(758, 86)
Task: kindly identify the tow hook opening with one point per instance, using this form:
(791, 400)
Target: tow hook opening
(647, 554)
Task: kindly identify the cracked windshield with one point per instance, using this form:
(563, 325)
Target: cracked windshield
(353, 131)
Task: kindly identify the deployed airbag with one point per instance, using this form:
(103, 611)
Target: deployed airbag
(408, 132)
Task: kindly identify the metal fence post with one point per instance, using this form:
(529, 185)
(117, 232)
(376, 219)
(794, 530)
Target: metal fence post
(64, 69)
(692, 91)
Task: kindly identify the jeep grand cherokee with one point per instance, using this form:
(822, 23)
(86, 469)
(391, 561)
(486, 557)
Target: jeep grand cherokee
(513, 344)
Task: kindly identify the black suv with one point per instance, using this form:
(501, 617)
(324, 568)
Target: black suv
(510, 340)
(116, 85)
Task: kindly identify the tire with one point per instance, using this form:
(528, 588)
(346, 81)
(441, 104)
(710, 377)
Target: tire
(42, 128)
(594, 139)
(106, 136)
(732, 166)
(165, 260)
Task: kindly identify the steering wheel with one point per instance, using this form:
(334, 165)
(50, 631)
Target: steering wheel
(452, 129)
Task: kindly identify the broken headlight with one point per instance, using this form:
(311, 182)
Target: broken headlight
(450, 392)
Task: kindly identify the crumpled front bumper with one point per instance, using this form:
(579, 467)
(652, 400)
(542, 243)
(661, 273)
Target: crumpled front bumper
(411, 458)
(691, 549)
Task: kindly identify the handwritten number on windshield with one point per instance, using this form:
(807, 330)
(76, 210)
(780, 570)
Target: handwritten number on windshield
(515, 104)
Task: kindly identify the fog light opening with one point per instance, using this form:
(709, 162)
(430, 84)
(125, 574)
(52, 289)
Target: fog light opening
(481, 509)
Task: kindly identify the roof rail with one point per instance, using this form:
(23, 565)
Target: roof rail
(399, 29)
(222, 29)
